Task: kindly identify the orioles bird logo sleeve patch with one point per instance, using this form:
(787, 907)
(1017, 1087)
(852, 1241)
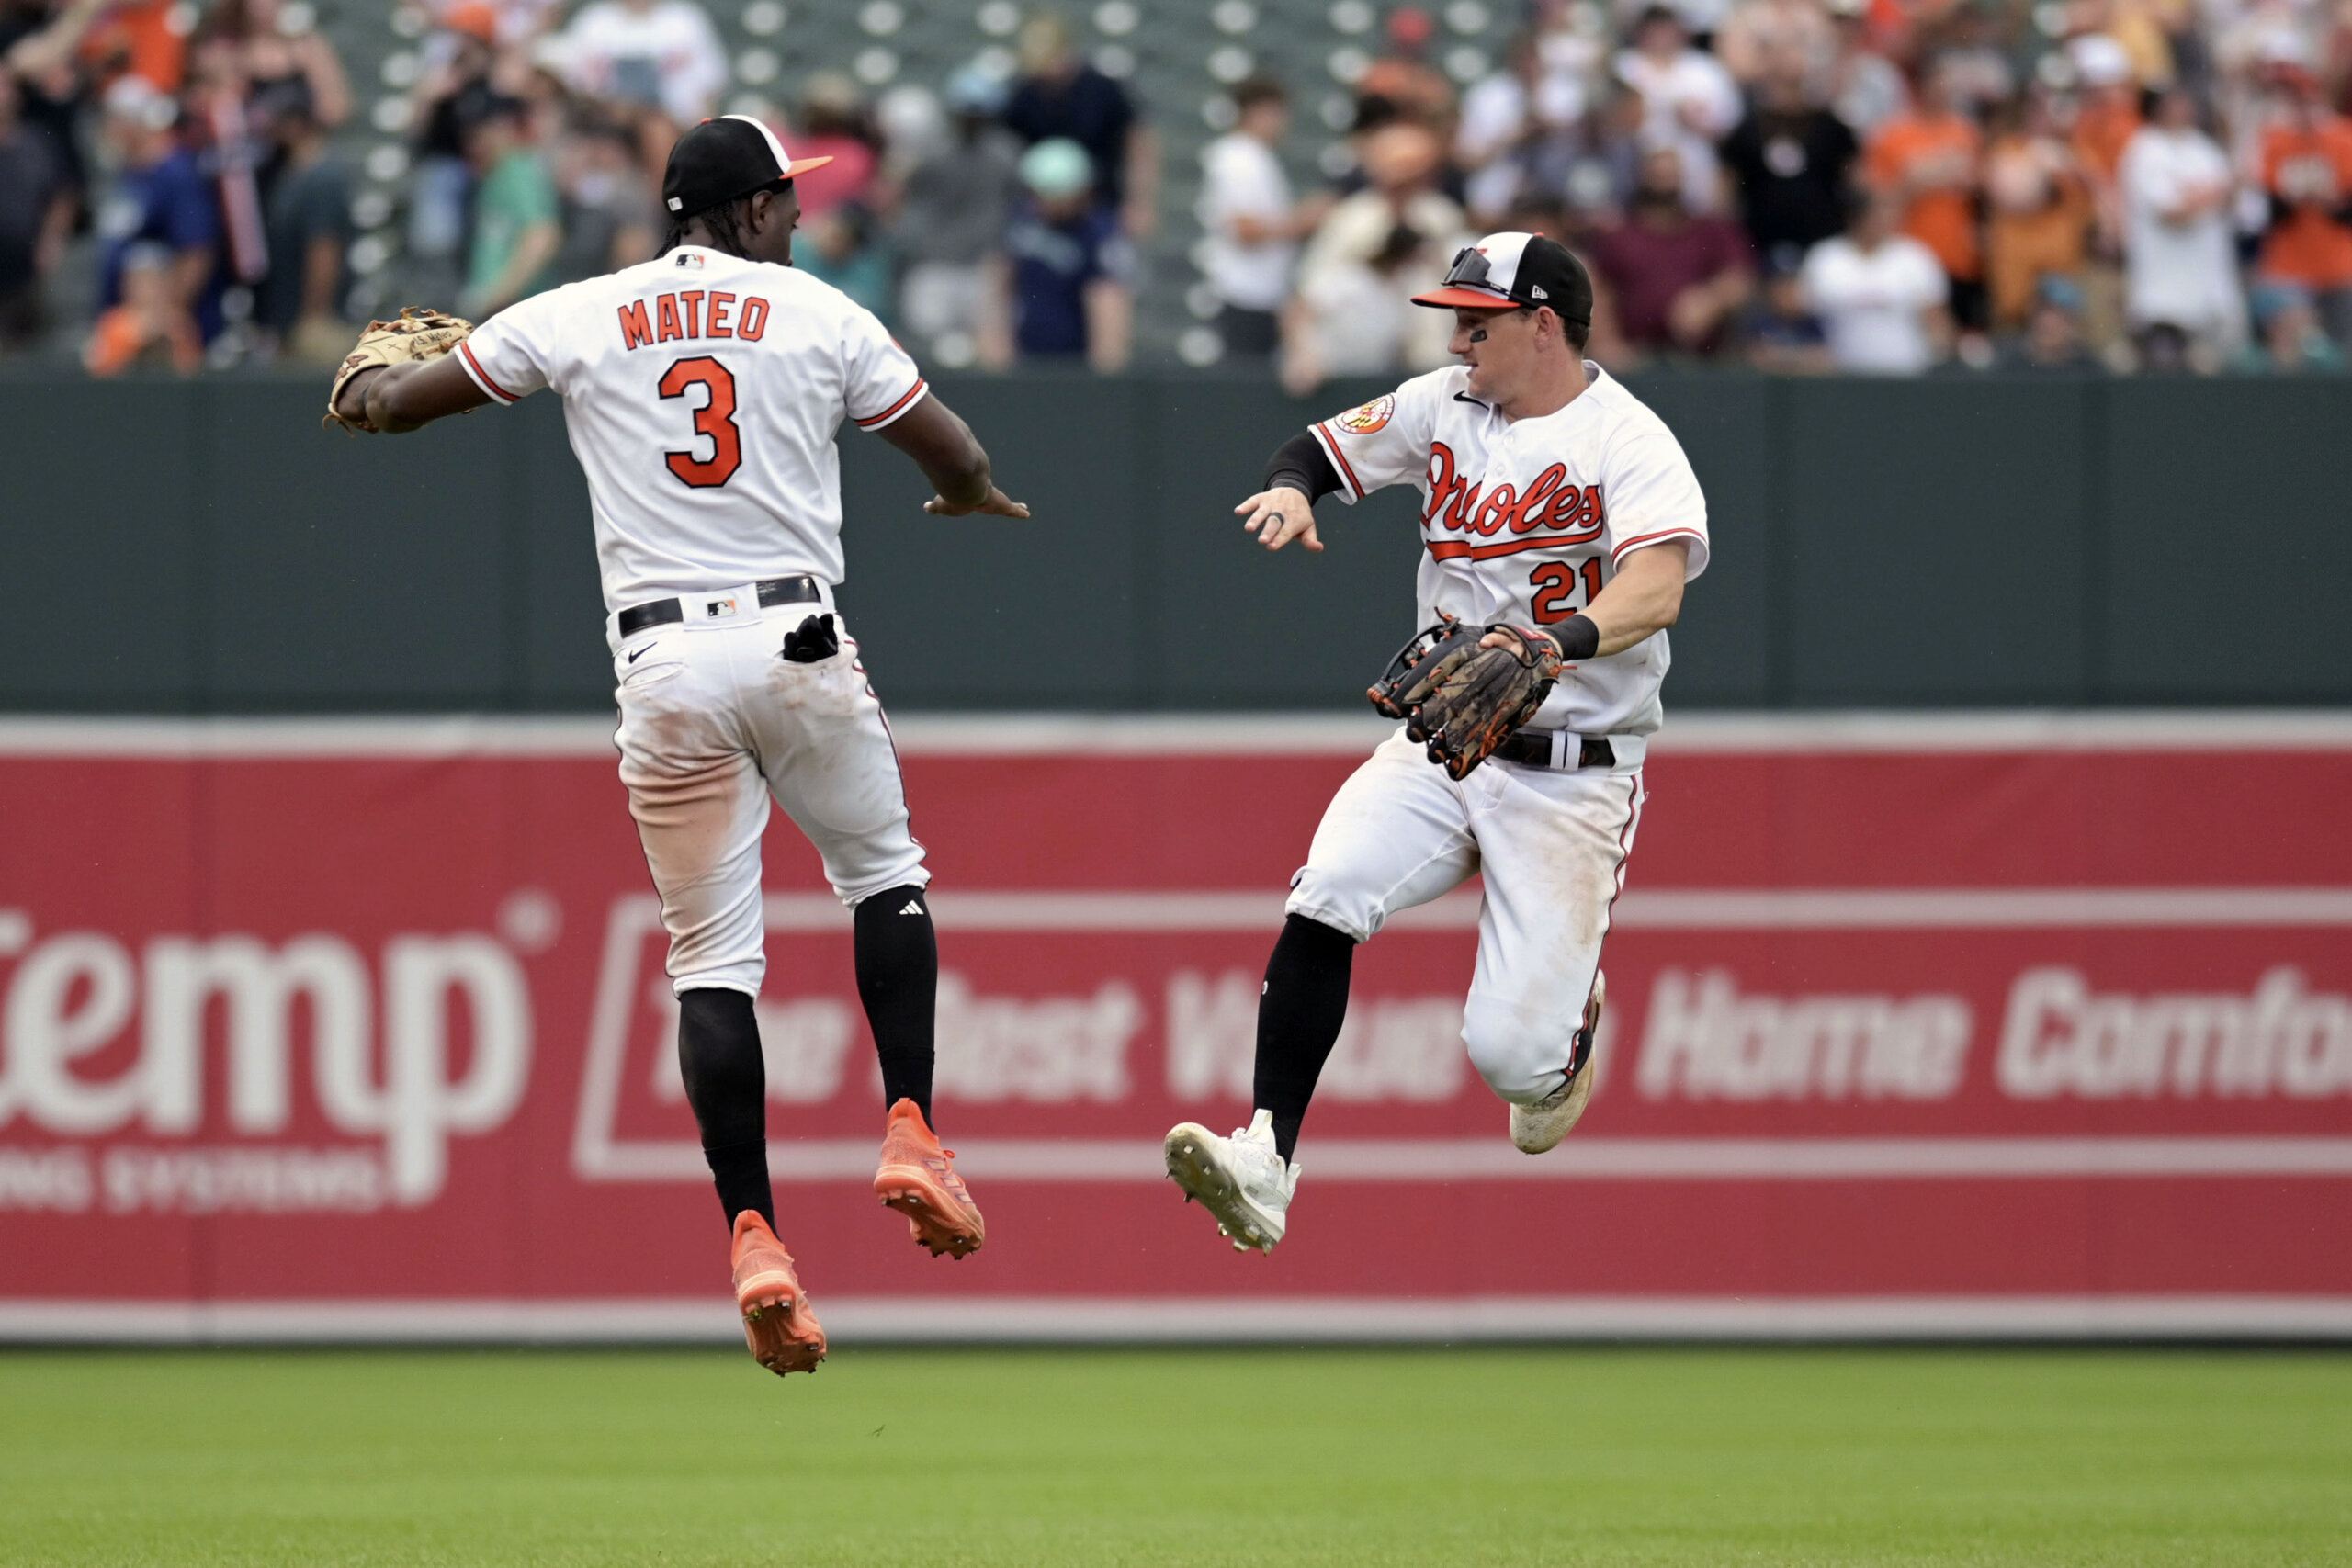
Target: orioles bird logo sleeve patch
(1373, 416)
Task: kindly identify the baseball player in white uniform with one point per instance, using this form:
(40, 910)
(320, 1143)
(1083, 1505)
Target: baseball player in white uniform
(702, 391)
(1551, 500)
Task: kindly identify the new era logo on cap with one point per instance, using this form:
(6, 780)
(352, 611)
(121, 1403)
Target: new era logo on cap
(1503, 271)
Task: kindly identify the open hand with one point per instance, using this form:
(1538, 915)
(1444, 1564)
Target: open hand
(1279, 516)
(996, 505)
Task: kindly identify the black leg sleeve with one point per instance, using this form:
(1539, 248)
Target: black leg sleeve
(1299, 1014)
(718, 1057)
(898, 980)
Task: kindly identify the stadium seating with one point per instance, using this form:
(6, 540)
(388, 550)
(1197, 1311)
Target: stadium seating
(1179, 56)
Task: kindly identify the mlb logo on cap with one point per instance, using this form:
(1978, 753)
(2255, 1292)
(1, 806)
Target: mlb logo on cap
(1506, 272)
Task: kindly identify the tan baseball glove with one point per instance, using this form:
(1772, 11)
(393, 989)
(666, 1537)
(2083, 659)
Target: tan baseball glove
(1461, 700)
(418, 333)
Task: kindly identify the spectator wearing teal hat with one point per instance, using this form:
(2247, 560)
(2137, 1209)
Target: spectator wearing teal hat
(1065, 287)
(2288, 337)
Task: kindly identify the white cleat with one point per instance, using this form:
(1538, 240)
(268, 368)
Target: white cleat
(1538, 1128)
(1241, 1180)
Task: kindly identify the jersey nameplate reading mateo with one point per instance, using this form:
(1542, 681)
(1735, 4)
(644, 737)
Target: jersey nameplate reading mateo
(702, 391)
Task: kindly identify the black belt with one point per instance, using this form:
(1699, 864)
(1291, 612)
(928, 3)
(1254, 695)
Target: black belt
(1534, 747)
(774, 592)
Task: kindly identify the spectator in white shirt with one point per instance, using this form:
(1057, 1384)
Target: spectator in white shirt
(2180, 280)
(1679, 84)
(1689, 102)
(1882, 296)
(1401, 165)
(1519, 133)
(1352, 317)
(1253, 225)
(658, 54)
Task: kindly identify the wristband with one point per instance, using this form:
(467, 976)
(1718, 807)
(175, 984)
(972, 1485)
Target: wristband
(1579, 637)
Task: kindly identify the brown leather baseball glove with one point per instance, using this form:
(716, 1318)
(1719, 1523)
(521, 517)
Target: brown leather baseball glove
(1461, 700)
(418, 333)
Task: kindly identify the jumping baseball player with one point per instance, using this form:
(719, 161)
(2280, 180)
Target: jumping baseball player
(1560, 521)
(702, 391)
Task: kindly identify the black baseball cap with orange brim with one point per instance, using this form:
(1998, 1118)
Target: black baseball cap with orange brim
(725, 159)
(1514, 271)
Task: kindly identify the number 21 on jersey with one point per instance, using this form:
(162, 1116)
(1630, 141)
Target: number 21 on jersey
(714, 422)
(1556, 583)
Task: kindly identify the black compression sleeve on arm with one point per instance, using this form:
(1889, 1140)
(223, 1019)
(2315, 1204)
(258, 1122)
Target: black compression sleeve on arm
(1299, 464)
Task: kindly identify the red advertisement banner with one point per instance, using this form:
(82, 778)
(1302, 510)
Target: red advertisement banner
(1972, 1026)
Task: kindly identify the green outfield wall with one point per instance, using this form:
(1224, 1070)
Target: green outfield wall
(205, 548)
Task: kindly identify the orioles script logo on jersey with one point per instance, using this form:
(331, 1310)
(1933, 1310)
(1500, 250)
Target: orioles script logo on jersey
(1552, 511)
(1372, 417)
(692, 314)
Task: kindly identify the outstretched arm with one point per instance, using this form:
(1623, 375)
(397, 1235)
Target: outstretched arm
(951, 458)
(397, 399)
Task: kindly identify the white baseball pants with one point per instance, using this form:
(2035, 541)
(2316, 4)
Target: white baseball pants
(1552, 845)
(713, 723)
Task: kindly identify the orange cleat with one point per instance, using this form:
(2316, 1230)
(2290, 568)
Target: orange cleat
(918, 1179)
(778, 1326)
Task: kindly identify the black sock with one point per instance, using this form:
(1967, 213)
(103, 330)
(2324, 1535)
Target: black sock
(727, 1083)
(898, 980)
(1299, 1014)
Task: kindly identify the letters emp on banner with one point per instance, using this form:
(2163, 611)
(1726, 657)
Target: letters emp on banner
(1923, 1027)
(390, 1087)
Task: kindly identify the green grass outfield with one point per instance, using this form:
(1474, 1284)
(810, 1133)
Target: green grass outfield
(1041, 1458)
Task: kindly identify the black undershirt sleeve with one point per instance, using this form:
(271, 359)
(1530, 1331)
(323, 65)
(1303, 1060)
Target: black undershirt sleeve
(1300, 464)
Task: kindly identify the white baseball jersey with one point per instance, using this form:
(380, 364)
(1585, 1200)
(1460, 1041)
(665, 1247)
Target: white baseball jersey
(1525, 520)
(701, 393)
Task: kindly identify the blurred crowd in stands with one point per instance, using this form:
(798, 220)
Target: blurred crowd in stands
(1876, 186)
(190, 148)
(1881, 187)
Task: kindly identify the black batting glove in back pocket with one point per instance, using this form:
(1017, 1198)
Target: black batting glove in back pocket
(812, 642)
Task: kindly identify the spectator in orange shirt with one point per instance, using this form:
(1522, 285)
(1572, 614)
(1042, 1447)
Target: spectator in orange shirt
(1931, 161)
(146, 38)
(2307, 170)
(2038, 206)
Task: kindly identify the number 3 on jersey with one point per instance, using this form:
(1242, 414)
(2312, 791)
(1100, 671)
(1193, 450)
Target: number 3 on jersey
(1555, 583)
(714, 420)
